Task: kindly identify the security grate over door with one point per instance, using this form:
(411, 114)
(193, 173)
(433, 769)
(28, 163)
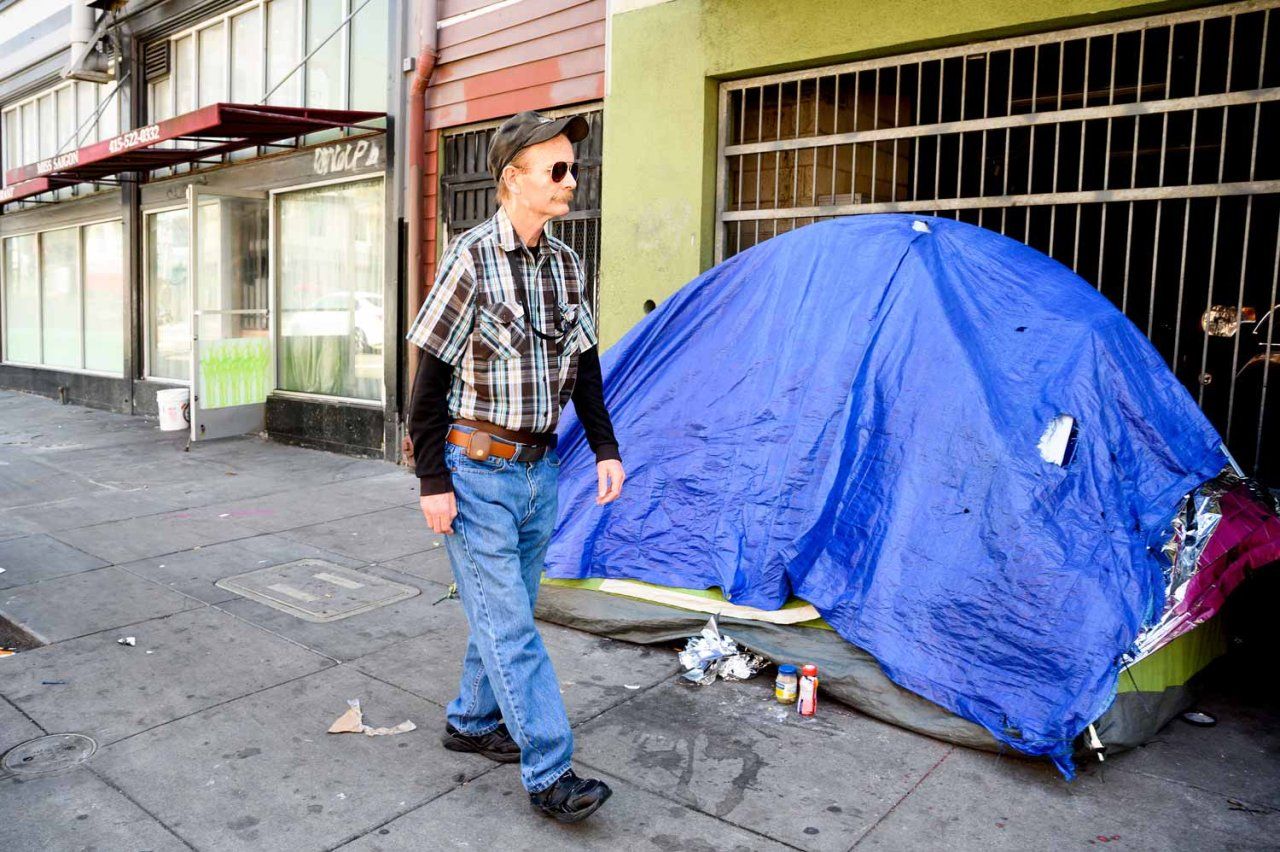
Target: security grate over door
(1141, 154)
(468, 195)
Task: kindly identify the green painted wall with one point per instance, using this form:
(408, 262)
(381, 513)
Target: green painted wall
(660, 113)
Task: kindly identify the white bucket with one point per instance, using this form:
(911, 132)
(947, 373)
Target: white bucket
(174, 412)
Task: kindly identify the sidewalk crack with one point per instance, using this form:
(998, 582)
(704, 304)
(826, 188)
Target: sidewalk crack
(105, 780)
(691, 806)
(902, 798)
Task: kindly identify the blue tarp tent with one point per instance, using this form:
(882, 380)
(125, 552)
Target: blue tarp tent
(853, 413)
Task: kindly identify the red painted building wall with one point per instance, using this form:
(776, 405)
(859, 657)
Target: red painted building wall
(531, 54)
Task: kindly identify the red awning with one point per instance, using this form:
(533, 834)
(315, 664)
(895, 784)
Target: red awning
(215, 129)
(27, 187)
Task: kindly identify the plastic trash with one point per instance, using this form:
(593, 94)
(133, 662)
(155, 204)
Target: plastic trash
(741, 666)
(1200, 720)
(711, 654)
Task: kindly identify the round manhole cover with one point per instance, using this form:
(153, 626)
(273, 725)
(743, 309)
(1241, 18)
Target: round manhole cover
(48, 754)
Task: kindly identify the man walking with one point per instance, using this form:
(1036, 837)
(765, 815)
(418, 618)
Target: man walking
(508, 341)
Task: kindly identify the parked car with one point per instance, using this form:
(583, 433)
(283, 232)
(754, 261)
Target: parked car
(356, 313)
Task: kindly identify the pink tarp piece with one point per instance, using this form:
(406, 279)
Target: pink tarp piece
(1247, 538)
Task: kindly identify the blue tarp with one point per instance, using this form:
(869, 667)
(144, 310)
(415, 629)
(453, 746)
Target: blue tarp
(851, 413)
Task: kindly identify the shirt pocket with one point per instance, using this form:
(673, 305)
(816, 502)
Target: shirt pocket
(500, 331)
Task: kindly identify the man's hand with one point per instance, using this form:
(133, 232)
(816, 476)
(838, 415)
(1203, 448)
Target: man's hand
(610, 475)
(439, 510)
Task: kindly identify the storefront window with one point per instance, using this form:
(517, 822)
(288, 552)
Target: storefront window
(48, 277)
(284, 50)
(246, 47)
(209, 265)
(109, 118)
(21, 300)
(30, 132)
(65, 139)
(368, 65)
(104, 297)
(162, 99)
(55, 120)
(213, 64)
(184, 63)
(348, 72)
(48, 126)
(86, 103)
(169, 295)
(12, 142)
(60, 297)
(329, 268)
(324, 70)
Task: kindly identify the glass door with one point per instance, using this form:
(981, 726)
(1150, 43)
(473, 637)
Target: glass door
(231, 358)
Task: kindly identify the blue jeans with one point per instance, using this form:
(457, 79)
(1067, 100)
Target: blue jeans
(506, 512)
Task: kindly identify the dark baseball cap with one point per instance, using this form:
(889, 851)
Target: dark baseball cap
(529, 128)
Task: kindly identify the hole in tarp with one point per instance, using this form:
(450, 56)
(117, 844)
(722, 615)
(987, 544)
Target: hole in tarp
(1058, 443)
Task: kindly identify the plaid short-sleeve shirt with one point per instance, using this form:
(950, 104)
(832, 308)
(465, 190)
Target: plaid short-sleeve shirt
(475, 320)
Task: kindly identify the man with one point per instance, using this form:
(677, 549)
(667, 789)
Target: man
(508, 341)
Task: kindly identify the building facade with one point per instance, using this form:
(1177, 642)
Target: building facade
(497, 59)
(1131, 141)
(216, 212)
(1135, 143)
(217, 246)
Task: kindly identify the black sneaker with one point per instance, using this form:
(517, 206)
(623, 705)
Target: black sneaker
(571, 799)
(495, 745)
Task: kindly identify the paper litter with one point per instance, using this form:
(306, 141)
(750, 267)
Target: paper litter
(352, 722)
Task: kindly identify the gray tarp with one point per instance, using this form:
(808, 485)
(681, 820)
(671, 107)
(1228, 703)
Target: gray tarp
(846, 672)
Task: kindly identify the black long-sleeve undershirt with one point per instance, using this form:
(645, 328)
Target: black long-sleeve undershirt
(429, 418)
(588, 403)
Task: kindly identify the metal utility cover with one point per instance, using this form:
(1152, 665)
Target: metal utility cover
(316, 590)
(44, 755)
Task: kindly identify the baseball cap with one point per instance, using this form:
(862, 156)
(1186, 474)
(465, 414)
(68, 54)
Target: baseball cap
(529, 128)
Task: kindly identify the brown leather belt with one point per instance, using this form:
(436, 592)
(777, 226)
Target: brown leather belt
(532, 439)
(485, 442)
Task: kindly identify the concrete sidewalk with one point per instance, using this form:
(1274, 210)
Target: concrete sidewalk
(210, 732)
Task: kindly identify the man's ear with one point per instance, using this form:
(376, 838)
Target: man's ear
(508, 177)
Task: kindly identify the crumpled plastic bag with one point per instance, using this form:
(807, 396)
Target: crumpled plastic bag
(711, 654)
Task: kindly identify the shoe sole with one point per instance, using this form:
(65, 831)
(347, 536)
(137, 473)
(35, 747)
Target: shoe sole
(580, 815)
(496, 757)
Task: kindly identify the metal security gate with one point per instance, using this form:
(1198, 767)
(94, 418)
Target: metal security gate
(1142, 154)
(468, 195)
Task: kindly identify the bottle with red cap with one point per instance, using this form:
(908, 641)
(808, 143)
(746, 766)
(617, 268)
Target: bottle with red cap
(808, 703)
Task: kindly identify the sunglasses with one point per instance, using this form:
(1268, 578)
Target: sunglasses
(559, 170)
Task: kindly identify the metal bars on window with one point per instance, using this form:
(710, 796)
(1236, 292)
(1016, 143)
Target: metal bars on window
(468, 195)
(1138, 153)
